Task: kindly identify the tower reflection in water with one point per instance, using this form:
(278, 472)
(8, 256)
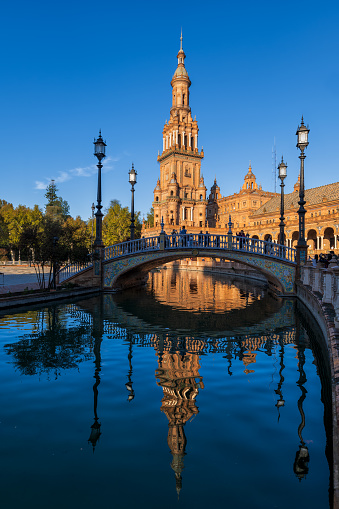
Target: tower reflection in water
(178, 375)
(179, 356)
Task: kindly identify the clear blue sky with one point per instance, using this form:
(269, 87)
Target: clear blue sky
(71, 67)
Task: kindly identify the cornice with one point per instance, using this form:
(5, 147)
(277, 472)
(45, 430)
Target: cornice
(181, 154)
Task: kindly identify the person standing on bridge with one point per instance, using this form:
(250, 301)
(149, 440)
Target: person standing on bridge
(174, 238)
(183, 236)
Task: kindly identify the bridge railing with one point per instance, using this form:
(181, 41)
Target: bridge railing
(71, 269)
(132, 246)
(202, 241)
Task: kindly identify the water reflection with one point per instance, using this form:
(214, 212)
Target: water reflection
(52, 346)
(280, 402)
(97, 335)
(178, 375)
(302, 457)
(63, 338)
(201, 292)
(129, 383)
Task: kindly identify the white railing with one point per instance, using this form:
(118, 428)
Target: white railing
(132, 246)
(202, 241)
(72, 269)
(323, 282)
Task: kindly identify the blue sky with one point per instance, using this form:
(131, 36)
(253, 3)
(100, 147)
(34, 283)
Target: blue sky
(71, 67)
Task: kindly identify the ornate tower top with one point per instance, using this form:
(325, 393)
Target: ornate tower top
(181, 131)
(180, 84)
(250, 180)
(181, 70)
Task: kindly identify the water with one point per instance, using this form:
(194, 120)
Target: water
(130, 400)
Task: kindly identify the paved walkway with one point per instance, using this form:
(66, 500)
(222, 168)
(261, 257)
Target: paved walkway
(17, 279)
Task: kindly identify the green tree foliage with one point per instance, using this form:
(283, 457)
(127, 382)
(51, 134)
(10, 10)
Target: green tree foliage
(55, 206)
(46, 249)
(116, 225)
(15, 223)
(150, 217)
(75, 239)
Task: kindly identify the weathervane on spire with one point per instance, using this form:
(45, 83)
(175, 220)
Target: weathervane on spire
(181, 40)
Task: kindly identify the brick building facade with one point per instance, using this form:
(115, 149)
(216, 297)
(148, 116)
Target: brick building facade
(180, 195)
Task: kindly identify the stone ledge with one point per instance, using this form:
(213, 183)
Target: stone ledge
(41, 297)
(323, 314)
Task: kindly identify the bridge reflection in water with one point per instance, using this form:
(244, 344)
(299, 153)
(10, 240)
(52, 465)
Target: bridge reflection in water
(265, 354)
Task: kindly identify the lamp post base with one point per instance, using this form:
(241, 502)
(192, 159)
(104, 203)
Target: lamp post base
(301, 258)
(98, 258)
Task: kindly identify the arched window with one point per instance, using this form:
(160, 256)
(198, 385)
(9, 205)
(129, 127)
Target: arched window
(172, 193)
(157, 198)
(201, 197)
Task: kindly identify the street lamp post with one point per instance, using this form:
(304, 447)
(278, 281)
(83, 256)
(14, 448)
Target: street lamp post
(282, 174)
(93, 209)
(99, 152)
(132, 177)
(302, 133)
(55, 241)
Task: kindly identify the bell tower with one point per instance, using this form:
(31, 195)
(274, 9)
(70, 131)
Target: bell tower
(180, 194)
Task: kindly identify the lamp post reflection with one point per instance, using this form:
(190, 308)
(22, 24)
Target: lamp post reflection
(97, 335)
(281, 402)
(302, 457)
(129, 384)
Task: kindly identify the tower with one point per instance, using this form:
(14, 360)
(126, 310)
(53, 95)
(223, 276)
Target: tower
(180, 193)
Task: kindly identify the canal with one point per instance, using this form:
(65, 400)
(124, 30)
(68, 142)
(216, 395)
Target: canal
(196, 391)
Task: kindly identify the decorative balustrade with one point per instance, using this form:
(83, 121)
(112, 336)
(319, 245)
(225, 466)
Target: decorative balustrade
(201, 241)
(71, 270)
(324, 282)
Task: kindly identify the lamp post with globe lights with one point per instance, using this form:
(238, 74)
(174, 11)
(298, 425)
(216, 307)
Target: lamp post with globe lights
(99, 152)
(132, 178)
(302, 133)
(282, 175)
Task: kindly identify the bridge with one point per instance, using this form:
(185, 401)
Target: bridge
(128, 263)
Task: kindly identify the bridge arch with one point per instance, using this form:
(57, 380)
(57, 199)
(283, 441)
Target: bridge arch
(132, 270)
(128, 263)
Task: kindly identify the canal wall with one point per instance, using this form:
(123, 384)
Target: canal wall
(12, 300)
(318, 290)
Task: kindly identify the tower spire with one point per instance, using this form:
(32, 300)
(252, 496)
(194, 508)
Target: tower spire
(181, 41)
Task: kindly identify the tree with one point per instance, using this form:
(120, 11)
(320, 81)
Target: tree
(116, 225)
(55, 205)
(76, 240)
(44, 243)
(150, 217)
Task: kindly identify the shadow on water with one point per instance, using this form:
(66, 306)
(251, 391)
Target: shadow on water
(64, 336)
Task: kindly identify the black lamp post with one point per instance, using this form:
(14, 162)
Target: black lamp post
(282, 174)
(132, 177)
(93, 209)
(302, 134)
(55, 241)
(99, 152)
